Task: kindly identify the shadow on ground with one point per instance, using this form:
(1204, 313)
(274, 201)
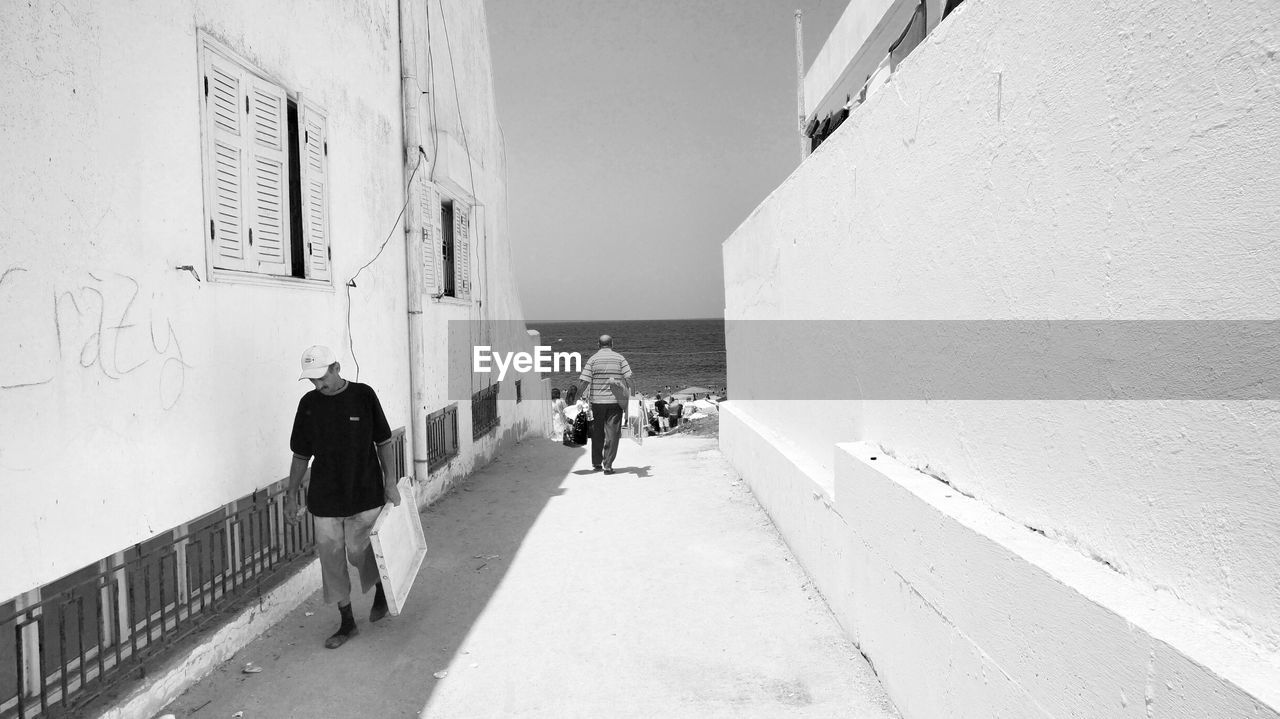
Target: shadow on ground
(389, 669)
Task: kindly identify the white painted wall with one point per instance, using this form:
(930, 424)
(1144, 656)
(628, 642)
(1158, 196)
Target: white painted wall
(1055, 161)
(456, 76)
(132, 397)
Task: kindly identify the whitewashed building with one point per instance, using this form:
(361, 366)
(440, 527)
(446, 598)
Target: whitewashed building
(192, 193)
(1023, 556)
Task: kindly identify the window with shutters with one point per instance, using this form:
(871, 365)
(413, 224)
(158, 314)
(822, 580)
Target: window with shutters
(447, 235)
(266, 175)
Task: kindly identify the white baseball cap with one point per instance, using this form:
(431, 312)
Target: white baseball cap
(316, 361)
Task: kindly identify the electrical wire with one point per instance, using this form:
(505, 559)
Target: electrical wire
(431, 92)
(351, 342)
(471, 175)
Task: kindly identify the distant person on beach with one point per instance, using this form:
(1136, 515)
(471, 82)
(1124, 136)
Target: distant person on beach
(558, 420)
(579, 428)
(341, 424)
(675, 411)
(606, 382)
(660, 406)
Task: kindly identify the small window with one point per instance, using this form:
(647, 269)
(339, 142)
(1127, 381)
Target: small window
(266, 174)
(519, 394)
(446, 233)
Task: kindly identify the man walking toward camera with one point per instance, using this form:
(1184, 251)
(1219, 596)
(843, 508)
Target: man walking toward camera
(606, 379)
(341, 424)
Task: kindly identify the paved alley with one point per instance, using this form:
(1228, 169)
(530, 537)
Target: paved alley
(552, 591)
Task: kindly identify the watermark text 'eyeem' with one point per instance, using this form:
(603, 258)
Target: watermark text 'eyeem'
(483, 359)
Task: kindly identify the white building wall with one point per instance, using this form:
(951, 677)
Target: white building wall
(461, 134)
(1051, 161)
(134, 397)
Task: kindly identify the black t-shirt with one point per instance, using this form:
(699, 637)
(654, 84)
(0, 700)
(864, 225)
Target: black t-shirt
(661, 406)
(341, 431)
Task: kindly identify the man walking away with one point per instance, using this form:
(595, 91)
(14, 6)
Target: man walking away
(606, 380)
(341, 424)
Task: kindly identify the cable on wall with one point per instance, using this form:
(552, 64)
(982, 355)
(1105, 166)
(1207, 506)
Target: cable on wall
(471, 176)
(351, 342)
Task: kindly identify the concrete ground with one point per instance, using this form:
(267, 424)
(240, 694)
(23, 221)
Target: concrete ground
(552, 591)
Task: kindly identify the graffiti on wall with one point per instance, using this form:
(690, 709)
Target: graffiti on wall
(94, 325)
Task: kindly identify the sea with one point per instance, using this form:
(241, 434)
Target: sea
(665, 355)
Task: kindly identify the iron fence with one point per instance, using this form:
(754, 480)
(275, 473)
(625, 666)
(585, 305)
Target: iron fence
(64, 644)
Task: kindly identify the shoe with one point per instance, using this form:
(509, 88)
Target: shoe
(608, 470)
(595, 468)
(341, 636)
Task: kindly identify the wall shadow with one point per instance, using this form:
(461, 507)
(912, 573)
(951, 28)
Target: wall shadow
(473, 534)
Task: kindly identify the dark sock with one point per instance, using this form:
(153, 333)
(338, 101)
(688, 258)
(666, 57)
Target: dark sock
(345, 631)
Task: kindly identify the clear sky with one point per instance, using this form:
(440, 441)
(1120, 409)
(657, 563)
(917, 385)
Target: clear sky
(639, 134)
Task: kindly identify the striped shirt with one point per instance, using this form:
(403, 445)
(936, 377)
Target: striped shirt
(599, 370)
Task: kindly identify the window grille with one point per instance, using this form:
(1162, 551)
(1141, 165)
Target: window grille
(484, 411)
(442, 436)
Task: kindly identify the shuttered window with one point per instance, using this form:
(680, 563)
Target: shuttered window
(251, 181)
(447, 252)
(447, 241)
(268, 183)
(431, 252)
(313, 149)
(462, 251)
(224, 161)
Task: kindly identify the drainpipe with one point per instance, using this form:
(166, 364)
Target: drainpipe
(413, 241)
(804, 141)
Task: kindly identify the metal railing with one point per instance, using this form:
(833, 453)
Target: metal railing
(484, 411)
(442, 436)
(64, 644)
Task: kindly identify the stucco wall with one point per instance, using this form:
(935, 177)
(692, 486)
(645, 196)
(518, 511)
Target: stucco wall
(133, 397)
(458, 120)
(1056, 161)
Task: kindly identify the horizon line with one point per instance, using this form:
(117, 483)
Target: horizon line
(639, 319)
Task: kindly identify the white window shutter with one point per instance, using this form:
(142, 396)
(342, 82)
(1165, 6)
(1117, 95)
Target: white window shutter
(462, 250)
(431, 252)
(224, 93)
(313, 156)
(268, 185)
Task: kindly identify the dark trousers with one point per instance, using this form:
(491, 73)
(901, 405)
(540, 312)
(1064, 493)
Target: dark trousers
(606, 430)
